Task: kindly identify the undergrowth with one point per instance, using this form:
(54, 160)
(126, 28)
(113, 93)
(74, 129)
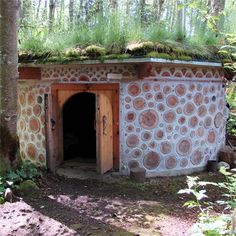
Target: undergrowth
(12, 180)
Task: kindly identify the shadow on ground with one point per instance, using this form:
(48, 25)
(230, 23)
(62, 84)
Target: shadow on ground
(114, 207)
(120, 207)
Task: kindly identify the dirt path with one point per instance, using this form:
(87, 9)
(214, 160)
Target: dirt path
(89, 207)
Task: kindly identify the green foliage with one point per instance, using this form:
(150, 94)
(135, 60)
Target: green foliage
(228, 52)
(157, 33)
(231, 95)
(231, 122)
(114, 34)
(230, 188)
(231, 99)
(26, 171)
(2, 187)
(212, 224)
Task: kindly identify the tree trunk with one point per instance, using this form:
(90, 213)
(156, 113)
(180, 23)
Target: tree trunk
(99, 7)
(38, 9)
(80, 13)
(45, 10)
(173, 16)
(71, 10)
(181, 10)
(142, 4)
(217, 8)
(127, 10)
(52, 7)
(61, 14)
(113, 4)
(8, 80)
(26, 10)
(158, 9)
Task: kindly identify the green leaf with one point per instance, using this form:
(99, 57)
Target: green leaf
(204, 183)
(180, 7)
(191, 204)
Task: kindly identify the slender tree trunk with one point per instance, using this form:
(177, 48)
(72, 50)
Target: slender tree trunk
(191, 22)
(155, 6)
(52, 7)
(45, 10)
(20, 11)
(61, 14)
(217, 8)
(158, 6)
(99, 7)
(80, 13)
(113, 4)
(71, 11)
(173, 16)
(142, 4)
(8, 80)
(38, 9)
(202, 27)
(26, 10)
(127, 10)
(181, 11)
(88, 6)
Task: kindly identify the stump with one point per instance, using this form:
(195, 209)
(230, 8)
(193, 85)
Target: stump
(228, 155)
(138, 174)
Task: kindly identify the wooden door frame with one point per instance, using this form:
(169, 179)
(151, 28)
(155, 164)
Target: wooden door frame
(55, 125)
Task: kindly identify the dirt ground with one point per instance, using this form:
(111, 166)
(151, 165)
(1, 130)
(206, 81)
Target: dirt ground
(91, 207)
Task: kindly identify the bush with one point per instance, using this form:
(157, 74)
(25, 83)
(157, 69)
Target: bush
(213, 224)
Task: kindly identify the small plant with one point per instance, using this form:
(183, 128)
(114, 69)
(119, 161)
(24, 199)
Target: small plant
(2, 190)
(231, 95)
(210, 224)
(231, 122)
(26, 171)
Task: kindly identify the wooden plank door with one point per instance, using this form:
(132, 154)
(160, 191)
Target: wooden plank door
(104, 126)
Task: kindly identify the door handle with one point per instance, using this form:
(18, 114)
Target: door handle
(104, 123)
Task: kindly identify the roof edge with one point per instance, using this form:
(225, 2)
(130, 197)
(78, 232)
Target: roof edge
(127, 61)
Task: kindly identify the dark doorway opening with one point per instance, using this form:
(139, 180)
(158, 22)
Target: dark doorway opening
(79, 133)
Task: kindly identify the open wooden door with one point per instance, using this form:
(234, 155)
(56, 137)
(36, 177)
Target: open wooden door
(104, 127)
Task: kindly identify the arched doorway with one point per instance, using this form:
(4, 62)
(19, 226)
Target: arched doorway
(79, 128)
(67, 103)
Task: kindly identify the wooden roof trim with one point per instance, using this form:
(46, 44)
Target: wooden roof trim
(29, 73)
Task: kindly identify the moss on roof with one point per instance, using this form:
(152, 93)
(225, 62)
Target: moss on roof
(167, 50)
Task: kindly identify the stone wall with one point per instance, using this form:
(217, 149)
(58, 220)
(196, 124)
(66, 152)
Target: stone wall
(171, 122)
(31, 127)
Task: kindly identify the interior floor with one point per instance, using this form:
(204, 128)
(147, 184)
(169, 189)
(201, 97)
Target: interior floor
(76, 169)
(79, 133)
